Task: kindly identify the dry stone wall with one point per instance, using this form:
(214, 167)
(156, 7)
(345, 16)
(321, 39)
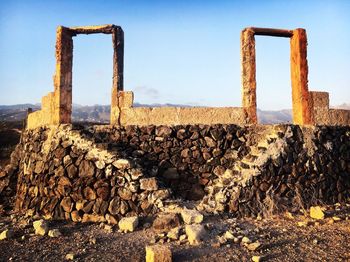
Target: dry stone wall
(103, 173)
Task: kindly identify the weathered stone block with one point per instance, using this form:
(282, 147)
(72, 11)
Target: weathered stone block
(158, 253)
(128, 224)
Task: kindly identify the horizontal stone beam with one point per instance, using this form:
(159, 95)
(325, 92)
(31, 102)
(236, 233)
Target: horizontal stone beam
(271, 31)
(94, 29)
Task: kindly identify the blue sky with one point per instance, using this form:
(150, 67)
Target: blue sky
(183, 52)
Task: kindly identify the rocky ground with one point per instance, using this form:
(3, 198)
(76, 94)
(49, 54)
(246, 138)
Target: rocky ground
(287, 237)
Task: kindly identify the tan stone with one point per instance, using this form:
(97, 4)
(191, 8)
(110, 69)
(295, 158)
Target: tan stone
(54, 233)
(41, 227)
(191, 216)
(195, 233)
(158, 253)
(122, 164)
(316, 212)
(75, 216)
(179, 115)
(128, 224)
(6, 234)
(93, 218)
(256, 258)
(149, 184)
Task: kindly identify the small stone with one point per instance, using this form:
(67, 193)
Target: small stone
(93, 240)
(158, 253)
(128, 224)
(108, 228)
(229, 235)
(195, 233)
(70, 256)
(122, 164)
(6, 234)
(41, 227)
(289, 215)
(174, 233)
(182, 237)
(246, 240)
(75, 216)
(93, 218)
(54, 233)
(191, 216)
(210, 142)
(149, 184)
(254, 246)
(100, 164)
(256, 258)
(315, 241)
(163, 131)
(335, 218)
(316, 212)
(303, 223)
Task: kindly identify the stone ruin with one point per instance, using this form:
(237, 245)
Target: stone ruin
(309, 107)
(149, 157)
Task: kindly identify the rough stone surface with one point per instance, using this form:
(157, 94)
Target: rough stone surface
(283, 164)
(158, 253)
(165, 222)
(54, 233)
(41, 227)
(128, 224)
(6, 234)
(149, 184)
(195, 233)
(191, 216)
(316, 212)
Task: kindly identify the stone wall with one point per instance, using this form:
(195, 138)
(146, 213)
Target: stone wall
(105, 172)
(323, 115)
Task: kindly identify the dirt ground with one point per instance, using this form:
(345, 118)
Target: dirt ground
(281, 237)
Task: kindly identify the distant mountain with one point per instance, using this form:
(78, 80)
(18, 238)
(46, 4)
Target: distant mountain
(343, 106)
(101, 113)
(274, 117)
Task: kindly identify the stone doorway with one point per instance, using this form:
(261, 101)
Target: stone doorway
(302, 113)
(62, 102)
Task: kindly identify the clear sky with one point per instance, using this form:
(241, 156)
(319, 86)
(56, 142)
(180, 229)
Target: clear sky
(185, 52)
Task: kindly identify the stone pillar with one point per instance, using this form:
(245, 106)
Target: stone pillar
(248, 72)
(63, 77)
(118, 72)
(302, 113)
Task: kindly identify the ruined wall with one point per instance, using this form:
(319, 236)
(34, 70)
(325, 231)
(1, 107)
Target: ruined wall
(323, 115)
(104, 172)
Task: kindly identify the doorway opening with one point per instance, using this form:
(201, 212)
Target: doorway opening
(274, 98)
(92, 78)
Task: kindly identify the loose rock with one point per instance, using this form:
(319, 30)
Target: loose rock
(41, 227)
(128, 224)
(158, 253)
(191, 216)
(316, 212)
(195, 233)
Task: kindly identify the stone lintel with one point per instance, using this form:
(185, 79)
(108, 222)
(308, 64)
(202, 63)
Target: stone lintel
(94, 29)
(271, 31)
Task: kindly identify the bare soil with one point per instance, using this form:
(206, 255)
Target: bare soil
(281, 237)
